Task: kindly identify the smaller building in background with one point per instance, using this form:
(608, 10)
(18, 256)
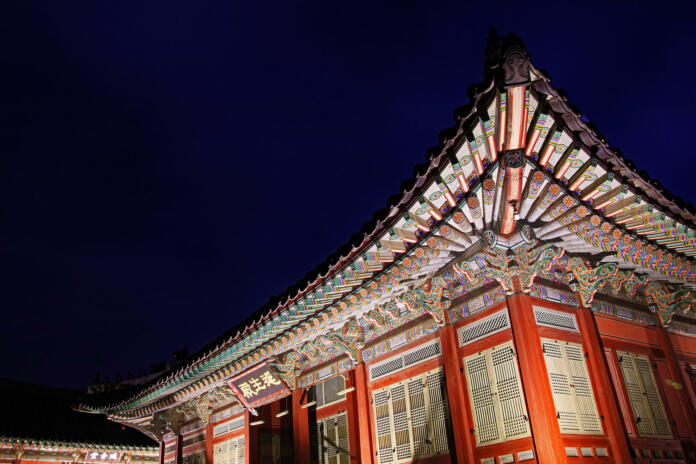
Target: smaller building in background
(38, 424)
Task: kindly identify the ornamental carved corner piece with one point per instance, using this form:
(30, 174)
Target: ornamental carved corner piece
(665, 301)
(586, 280)
(350, 338)
(289, 368)
(428, 299)
(514, 269)
(203, 407)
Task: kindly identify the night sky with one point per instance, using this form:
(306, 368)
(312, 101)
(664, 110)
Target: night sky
(166, 169)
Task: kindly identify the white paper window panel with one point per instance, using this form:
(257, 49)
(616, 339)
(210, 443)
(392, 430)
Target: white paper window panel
(571, 388)
(484, 327)
(235, 424)
(224, 414)
(555, 319)
(643, 395)
(326, 392)
(194, 458)
(411, 418)
(191, 427)
(406, 359)
(333, 445)
(229, 451)
(496, 396)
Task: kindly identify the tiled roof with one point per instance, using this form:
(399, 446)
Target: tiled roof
(410, 190)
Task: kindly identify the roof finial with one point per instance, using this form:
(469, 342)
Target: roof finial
(515, 61)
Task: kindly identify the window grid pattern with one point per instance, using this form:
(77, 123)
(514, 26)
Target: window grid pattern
(576, 409)
(229, 451)
(234, 424)
(485, 327)
(411, 419)
(495, 394)
(326, 392)
(332, 440)
(555, 319)
(404, 360)
(643, 395)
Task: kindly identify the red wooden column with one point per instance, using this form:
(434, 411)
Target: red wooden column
(537, 391)
(674, 372)
(250, 437)
(209, 455)
(352, 416)
(362, 405)
(161, 451)
(179, 445)
(463, 441)
(604, 390)
(300, 428)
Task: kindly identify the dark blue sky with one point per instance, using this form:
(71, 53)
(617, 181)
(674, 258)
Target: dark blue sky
(165, 169)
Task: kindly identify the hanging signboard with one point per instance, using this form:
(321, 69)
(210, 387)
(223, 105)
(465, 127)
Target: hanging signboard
(258, 386)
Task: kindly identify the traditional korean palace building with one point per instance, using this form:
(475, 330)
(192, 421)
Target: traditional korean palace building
(528, 296)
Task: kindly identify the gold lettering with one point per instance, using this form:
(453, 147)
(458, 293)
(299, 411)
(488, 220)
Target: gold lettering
(247, 391)
(268, 379)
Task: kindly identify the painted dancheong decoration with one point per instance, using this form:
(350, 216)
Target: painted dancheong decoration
(522, 202)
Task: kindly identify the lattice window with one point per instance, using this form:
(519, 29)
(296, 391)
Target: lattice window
(229, 451)
(576, 409)
(192, 440)
(194, 458)
(411, 419)
(495, 394)
(555, 319)
(410, 358)
(234, 424)
(332, 440)
(484, 327)
(326, 392)
(647, 406)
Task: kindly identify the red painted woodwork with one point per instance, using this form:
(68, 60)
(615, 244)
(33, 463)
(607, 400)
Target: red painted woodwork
(628, 331)
(300, 428)
(683, 346)
(686, 411)
(354, 435)
(604, 392)
(364, 424)
(464, 445)
(250, 435)
(330, 410)
(496, 449)
(542, 414)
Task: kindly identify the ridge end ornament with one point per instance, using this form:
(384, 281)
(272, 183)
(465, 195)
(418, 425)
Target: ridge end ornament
(515, 62)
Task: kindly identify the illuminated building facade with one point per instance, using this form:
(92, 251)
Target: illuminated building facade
(527, 297)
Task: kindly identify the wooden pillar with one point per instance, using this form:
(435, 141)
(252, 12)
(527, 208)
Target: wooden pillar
(161, 451)
(179, 442)
(351, 414)
(362, 405)
(675, 373)
(604, 390)
(300, 428)
(250, 445)
(537, 391)
(463, 442)
(209, 455)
